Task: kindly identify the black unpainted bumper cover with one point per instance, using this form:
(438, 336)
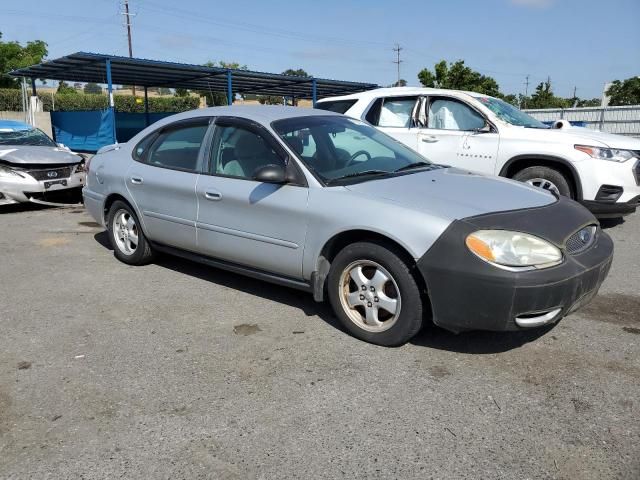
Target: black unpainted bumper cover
(618, 209)
(468, 293)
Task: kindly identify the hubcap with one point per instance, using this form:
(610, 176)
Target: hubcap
(369, 296)
(543, 183)
(125, 232)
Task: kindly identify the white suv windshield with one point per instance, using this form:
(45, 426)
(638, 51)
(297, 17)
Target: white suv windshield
(510, 114)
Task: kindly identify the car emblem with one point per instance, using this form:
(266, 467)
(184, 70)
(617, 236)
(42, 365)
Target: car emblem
(52, 174)
(585, 236)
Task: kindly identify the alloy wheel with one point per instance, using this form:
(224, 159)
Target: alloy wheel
(125, 232)
(369, 296)
(544, 183)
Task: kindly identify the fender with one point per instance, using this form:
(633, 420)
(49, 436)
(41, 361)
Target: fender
(546, 159)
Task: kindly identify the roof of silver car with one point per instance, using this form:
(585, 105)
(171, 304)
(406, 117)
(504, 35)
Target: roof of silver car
(260, 113)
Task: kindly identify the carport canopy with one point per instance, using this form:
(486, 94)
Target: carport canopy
(112, 69)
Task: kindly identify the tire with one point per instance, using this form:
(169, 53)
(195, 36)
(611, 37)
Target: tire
(539, 174)
(122, 225)
(358, 308)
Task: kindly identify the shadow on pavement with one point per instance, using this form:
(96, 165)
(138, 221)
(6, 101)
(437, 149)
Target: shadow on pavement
(22, 207)
(430, 336)
(477, 342)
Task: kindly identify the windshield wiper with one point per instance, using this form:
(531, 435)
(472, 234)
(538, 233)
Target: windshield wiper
(359, 174)
(411, 166)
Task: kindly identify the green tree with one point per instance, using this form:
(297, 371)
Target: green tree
(543, 97)
(626, 92)
(297, 73)
(92, 88)
(593, 102)
(219, 98)
(65, 89)
(277, 99)
(458, 76)
(14, 56)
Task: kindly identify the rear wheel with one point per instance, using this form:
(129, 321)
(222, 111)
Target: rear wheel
(374, 294)
(127, 239)
(547, 178)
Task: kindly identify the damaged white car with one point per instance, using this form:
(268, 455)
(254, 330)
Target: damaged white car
(33, 168)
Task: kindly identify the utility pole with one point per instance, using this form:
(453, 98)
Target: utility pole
(127, 16)
(526, 90)
(397, 49)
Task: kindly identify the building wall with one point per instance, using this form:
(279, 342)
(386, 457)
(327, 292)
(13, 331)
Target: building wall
(43, 120)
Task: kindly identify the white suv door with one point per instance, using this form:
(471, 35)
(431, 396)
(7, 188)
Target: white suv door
(458, 135)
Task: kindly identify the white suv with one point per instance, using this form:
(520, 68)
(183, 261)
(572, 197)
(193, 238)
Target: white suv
(484, 134)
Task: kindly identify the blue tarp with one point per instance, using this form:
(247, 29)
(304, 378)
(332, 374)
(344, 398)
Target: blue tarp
(129, 124)
(83, 131)
(88, 131)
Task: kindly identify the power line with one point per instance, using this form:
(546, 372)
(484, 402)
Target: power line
(397, 49)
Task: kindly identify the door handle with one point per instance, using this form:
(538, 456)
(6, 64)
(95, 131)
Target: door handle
(136, 180)
(213, 195)
(430, 139)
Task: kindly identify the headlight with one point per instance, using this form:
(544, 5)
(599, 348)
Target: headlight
(514, 251)
(7, 172)
(611, 154)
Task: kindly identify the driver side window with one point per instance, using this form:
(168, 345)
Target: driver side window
(446, 114)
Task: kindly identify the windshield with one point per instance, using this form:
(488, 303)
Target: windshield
(510, 114)
(337, 148)
(33, 137)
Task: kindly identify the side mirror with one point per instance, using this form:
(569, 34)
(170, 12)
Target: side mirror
(271, 174)
(484, 129)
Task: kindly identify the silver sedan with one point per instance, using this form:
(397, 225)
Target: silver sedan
(323, 203)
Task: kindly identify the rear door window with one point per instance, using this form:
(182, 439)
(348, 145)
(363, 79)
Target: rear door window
(396, 112)
(177, 147)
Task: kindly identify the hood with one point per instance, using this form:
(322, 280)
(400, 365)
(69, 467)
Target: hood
(583, 136)
(454, 194)
(24, 155)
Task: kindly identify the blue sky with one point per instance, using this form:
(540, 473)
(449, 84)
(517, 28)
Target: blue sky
(581, 43)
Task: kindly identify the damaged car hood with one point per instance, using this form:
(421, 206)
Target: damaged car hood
(20, 154)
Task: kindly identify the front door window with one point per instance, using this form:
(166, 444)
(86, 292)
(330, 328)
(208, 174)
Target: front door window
(447, 114)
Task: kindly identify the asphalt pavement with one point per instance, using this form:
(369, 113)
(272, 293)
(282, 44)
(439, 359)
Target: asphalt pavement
(177, 370)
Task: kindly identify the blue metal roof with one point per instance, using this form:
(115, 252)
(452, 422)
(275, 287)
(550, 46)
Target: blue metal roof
(13, 126)
(91, 67)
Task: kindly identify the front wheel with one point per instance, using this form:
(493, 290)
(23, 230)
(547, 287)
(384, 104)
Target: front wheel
(374, 294)
(547, 178)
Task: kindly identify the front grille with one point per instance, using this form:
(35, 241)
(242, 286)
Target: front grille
(581, 240)
(51, 173)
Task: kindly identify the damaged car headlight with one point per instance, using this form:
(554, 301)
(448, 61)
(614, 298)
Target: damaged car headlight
(514, 251)
(611, 154)
(6, 172)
